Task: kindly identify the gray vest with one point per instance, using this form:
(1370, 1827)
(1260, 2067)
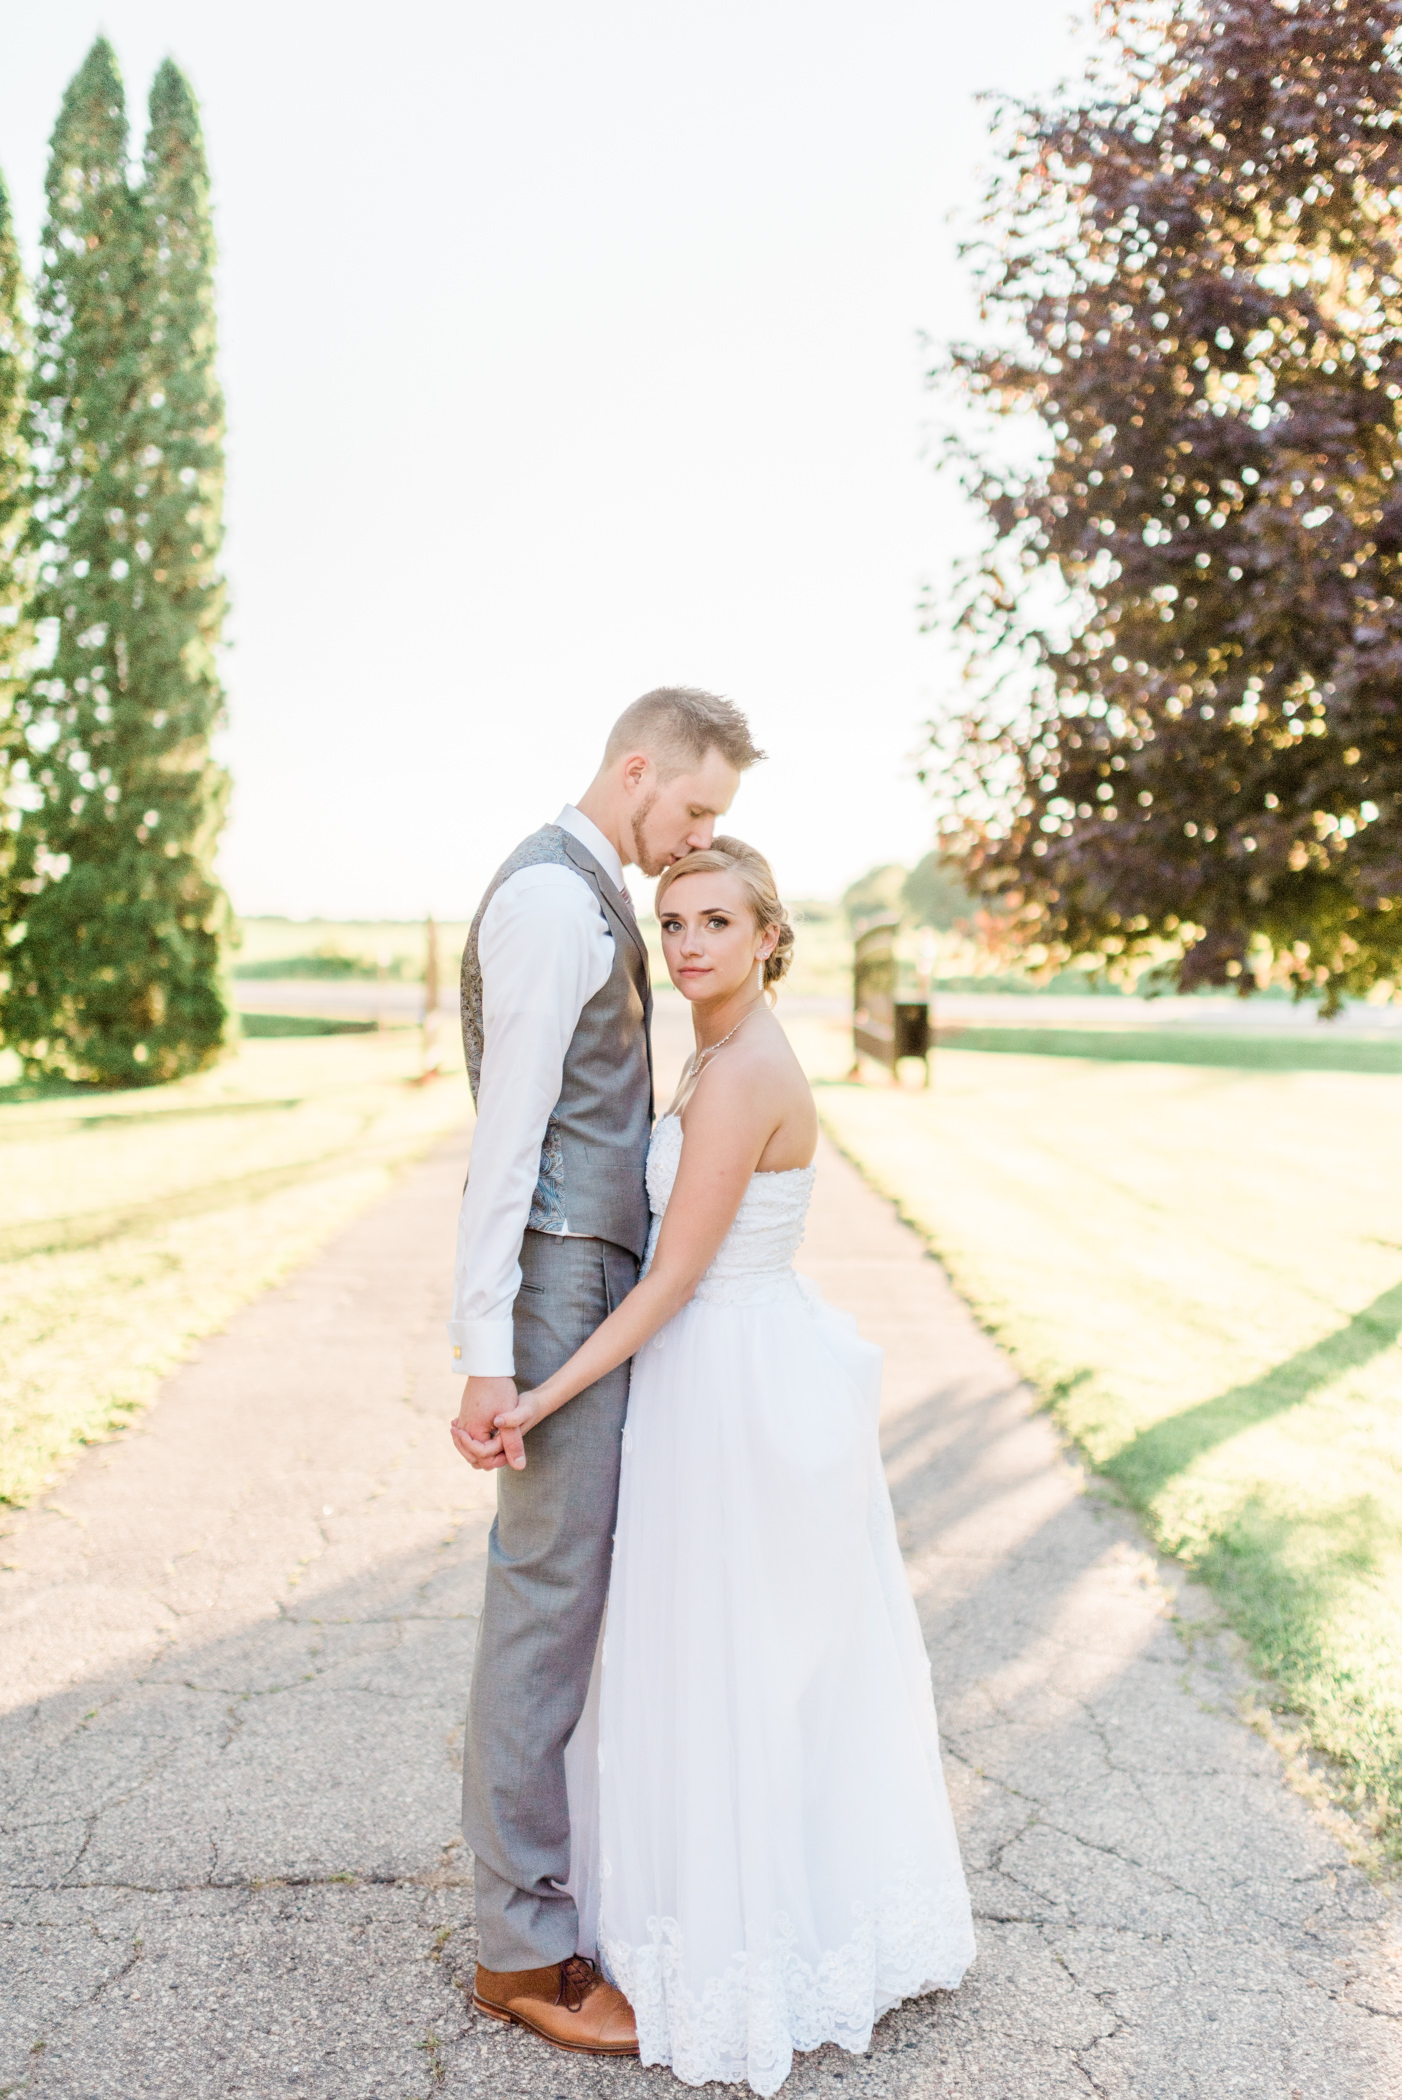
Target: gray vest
(594, 1157)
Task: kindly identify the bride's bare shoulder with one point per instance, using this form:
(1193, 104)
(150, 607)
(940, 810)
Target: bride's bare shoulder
(763, 1088)
(764, 1054)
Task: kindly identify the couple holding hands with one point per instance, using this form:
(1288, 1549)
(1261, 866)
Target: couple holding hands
(702, 1779)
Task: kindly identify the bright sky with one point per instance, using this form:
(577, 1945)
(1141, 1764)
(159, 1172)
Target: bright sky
(569, 350)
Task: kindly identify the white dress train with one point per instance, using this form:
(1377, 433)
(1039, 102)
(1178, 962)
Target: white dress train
(762, 1843)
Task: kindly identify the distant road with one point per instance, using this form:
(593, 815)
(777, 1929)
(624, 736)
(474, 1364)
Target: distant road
(348, 998)
(361, 999)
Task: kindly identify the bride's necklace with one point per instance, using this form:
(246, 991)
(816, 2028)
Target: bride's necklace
(699, 1057)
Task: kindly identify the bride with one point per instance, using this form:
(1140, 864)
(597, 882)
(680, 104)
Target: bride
(761, 1845)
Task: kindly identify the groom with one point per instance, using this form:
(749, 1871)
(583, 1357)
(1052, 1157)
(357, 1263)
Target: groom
(556, 1009)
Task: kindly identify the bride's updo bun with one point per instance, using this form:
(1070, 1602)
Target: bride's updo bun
(725, 856)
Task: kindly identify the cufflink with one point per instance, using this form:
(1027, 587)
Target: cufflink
(457, 1352)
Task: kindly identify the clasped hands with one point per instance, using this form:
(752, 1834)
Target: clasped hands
(492, 1422)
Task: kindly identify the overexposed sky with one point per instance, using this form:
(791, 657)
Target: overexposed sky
(569, 350)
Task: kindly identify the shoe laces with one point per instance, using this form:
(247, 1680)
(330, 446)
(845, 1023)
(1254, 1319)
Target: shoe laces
(577, 1980)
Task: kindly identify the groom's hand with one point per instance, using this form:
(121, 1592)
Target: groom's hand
(474, 1431)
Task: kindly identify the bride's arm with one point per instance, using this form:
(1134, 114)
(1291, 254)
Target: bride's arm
(729, 1121)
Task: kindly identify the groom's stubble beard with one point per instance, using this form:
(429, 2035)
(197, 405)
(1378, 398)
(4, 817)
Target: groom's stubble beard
(640, 845)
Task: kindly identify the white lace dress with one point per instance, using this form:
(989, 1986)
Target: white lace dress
(762, 1841)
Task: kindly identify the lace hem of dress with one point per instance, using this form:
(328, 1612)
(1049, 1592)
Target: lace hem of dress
(744, 2026)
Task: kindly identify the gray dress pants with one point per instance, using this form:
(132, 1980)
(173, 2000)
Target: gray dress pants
(547, 1582)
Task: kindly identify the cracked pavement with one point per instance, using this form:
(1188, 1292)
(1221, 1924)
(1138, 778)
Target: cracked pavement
(234, 1660)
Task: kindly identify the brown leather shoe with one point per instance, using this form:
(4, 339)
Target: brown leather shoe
(568, 2004)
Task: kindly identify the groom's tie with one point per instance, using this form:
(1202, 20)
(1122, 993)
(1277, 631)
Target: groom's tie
(628, 912)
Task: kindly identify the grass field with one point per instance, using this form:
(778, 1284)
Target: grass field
(298, 947)
(1201, 1270)
(333, 947)
(368, 948)
(133, 1224)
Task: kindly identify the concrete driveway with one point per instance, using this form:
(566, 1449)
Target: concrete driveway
(235, 1647)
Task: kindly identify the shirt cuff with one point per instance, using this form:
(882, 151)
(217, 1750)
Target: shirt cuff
(483, 1348)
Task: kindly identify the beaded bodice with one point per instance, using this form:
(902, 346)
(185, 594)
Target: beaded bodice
(755, 1259)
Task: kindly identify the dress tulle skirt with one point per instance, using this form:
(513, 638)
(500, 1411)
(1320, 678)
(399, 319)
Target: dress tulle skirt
(763, 1846)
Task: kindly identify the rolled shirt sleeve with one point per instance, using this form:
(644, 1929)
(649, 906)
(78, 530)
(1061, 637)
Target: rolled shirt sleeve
(544, 949)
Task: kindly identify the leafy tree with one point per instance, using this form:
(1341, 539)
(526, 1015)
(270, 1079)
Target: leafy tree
(14, 507)
(933, 896)
(116, 976)
(879, 890)
(1194, 284)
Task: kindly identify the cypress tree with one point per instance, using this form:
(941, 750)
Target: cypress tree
(178, 441)
(115, 975)
(14, 495)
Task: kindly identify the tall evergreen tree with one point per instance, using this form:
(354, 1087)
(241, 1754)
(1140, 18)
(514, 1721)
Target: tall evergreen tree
(14, 510)
(115, 978)
(1195, 269)
(178, 440)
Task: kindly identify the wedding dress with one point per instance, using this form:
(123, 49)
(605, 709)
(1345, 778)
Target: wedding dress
(762, 1848)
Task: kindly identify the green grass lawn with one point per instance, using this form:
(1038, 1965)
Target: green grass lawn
(1200, 1268)
(1259, 1050)
(132, 1224)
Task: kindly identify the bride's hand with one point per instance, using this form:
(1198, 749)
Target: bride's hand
(530, 1408)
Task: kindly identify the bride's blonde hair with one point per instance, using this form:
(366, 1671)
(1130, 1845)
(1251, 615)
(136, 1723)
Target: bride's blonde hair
(733, 857)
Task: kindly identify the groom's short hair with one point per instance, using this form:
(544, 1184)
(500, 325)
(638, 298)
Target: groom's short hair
(677, 725)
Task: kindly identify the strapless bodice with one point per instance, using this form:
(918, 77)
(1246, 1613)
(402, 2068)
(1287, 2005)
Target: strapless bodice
(755, 1259)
